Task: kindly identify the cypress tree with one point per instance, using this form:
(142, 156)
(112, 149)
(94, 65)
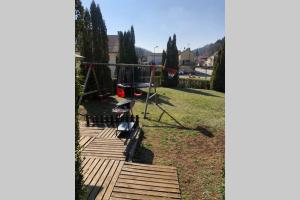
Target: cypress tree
(218, 77)
(87, 51)
(79, 24)
(127, 54)
(104, 71)
(171, 63)
(163, 57)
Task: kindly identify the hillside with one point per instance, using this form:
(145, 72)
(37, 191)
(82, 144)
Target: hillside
(142, 52)
(209, 49)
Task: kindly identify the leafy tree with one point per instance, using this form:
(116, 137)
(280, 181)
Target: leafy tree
(218, 76)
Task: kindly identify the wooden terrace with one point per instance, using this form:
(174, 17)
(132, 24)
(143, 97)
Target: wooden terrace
(109, 173)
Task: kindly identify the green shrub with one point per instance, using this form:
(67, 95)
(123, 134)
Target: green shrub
(79, 191)
(194, 83)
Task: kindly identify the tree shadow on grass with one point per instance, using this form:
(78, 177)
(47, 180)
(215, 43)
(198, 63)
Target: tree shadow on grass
(196, 91)
(200, 128)
(161, 99)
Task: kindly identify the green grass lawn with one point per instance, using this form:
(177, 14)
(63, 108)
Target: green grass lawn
(197, 150)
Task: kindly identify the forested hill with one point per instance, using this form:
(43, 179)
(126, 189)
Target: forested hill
(141, 51)
(209, 49)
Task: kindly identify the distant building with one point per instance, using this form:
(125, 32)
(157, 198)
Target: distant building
(113, 50)
(206, 61)
(157, 58)
(186, 57)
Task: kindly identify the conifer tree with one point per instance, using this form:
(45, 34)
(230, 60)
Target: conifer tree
(171, 63)
(79, 24)
(163, 57)
(218, 77)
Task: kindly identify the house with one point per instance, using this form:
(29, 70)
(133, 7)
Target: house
(113, 50)
(186, 57)
(154, 58)
(206, 61)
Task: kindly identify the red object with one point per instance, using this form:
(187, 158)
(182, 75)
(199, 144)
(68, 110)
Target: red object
(120, 92)
(138, 94)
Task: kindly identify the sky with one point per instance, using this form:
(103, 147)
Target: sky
(195, 22)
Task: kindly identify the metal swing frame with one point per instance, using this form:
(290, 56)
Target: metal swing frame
(152, 84)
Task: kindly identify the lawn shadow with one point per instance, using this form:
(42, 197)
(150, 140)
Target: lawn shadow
(142, 153)
(195, 91)
(201, 129)
(161, 99)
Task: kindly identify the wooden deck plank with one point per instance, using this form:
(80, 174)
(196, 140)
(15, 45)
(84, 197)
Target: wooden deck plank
(137, 196)
(104, 149)
(108, 133)
(107, 181)
(102, 133)
(149, 172)
(88, 180)
(151, 166)
(84, 161)
(100, 181)
(92, 183)
(147, 187)
(146, 167)
(150, 183)
(88, 164)
(146, 192)
(113, 181)
(90, 168)
(126, 177)
(149, 175)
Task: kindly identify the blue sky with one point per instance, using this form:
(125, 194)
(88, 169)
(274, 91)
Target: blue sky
(195, 22)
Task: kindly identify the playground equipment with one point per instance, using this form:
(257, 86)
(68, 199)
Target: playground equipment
(127, 83)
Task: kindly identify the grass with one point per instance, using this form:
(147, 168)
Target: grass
(197, 150)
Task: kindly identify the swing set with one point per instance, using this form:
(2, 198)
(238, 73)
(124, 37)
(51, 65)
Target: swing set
(130, 80)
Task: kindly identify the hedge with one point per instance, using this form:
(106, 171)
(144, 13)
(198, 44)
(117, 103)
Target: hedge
(194, 83)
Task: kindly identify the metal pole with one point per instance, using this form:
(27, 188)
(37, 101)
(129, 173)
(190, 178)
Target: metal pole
(85, 83)
(147, 99)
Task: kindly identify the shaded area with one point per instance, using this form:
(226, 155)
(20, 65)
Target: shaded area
(143, 154)
(161, 99)
(96, 106)
(201, 129)
(195, 91)
(88, 189)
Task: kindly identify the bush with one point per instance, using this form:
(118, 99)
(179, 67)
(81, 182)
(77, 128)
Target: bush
(194, 83)
(79, 191)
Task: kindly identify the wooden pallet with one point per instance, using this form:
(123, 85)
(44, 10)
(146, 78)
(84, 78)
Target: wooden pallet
(140, 181)
(115, 180)
(100, 176)
(108, 176)
(107, 145)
